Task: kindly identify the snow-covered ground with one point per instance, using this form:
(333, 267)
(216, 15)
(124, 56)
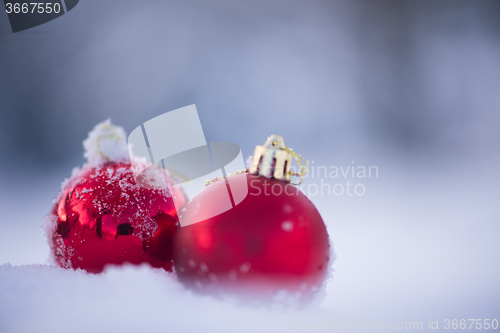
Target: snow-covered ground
(421, 244)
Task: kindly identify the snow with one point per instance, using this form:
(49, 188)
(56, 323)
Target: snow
(126, 299)
(106, 143)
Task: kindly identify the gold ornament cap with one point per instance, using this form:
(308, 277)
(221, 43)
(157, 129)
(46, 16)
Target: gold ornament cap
(274, 160)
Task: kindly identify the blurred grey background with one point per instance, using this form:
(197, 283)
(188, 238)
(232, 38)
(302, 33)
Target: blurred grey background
(410, 86)
(413, 76)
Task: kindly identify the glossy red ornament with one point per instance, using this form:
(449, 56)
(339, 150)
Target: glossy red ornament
(102, 217)
(274, 238)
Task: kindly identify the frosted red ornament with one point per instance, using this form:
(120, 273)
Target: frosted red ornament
(274, 239)
(102, 217)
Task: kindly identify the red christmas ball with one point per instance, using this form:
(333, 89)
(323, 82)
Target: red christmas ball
(275, 238)
(102, 218)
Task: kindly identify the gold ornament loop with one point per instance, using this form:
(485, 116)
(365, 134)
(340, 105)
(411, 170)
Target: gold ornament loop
(240, 172)
(303, 169)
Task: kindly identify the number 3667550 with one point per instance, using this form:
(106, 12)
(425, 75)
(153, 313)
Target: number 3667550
(33, 7)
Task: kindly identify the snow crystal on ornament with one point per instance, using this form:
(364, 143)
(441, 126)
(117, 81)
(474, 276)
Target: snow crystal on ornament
(248, 161)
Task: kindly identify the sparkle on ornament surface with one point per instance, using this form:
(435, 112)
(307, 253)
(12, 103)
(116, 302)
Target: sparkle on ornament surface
(245, 268)
(205, 240)
(287, 226)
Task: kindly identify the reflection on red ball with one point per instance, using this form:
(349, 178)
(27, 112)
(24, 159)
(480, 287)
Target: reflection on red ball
(102, 217)
(274, 238)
